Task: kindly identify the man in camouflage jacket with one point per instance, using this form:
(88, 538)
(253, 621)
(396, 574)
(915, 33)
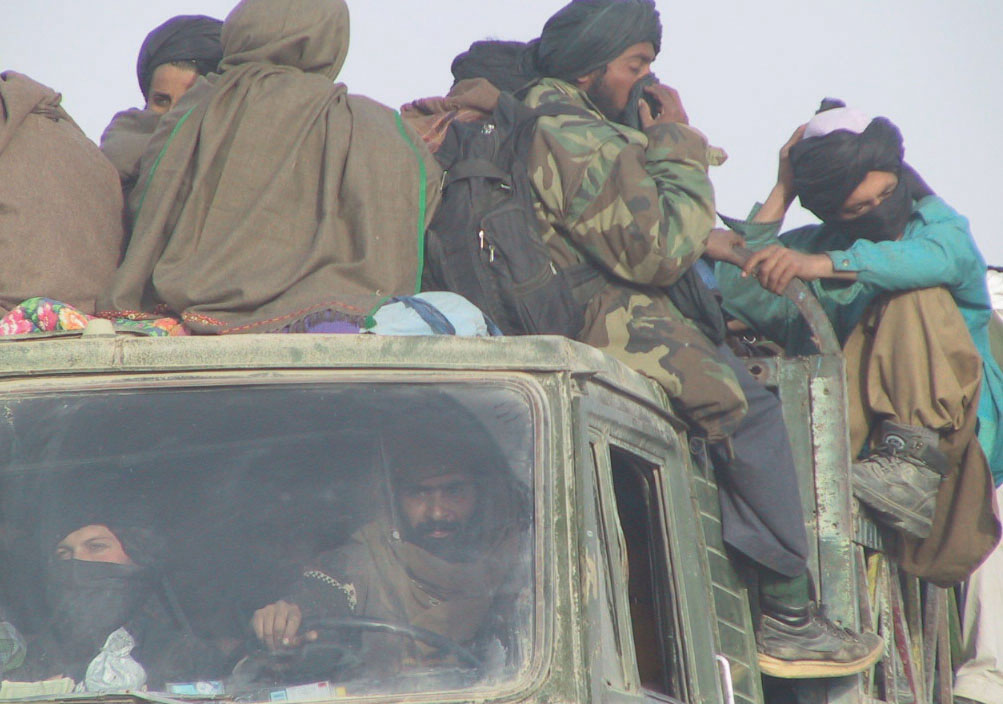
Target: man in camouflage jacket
(638, 206)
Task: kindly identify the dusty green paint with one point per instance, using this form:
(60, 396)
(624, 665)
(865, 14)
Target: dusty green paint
(582, 397)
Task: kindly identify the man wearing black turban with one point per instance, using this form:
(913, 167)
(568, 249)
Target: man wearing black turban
(171, 58)
(174, 54)
(622, 189)
(903, 283)
(104, 575)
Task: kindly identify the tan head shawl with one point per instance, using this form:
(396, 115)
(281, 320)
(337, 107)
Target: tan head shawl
(469, 100)
(269, 194)
(60, 202)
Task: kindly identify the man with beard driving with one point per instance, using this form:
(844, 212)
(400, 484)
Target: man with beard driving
(442, 556)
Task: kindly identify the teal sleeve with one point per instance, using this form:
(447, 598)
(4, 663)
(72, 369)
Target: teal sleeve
(937, 255)
(773, 316)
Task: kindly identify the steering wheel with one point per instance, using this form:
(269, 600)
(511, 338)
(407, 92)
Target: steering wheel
(330, 653)
(416, 633)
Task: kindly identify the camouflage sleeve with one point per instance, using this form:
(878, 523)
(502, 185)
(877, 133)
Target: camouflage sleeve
(642, 213)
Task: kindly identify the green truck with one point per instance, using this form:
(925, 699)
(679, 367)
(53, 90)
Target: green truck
(253, 453)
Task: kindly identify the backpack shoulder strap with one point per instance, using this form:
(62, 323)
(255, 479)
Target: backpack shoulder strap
(473, 168)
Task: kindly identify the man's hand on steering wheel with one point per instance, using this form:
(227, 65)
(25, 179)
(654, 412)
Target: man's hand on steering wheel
(277, 626)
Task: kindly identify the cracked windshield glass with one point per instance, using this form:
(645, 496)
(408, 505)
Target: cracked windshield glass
(278, 542)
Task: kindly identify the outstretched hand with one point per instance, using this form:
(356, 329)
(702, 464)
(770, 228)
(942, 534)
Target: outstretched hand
(721, 245)
(776, 266)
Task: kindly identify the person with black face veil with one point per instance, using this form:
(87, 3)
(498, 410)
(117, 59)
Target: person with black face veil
(903, 283)
(104, 576)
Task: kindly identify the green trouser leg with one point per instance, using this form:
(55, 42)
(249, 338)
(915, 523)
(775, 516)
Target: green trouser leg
(793, 592)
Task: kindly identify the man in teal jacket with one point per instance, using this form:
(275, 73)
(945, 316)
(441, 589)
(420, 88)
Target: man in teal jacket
(889, 255)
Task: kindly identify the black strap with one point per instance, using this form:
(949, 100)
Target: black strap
(473, 168)
(432, 316)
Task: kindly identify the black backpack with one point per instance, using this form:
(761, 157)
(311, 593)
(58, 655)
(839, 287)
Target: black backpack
(485, 242)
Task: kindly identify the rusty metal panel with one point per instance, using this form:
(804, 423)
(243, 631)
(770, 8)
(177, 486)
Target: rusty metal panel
(812, 392)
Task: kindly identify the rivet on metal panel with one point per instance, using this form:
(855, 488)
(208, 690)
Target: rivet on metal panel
(759, 371)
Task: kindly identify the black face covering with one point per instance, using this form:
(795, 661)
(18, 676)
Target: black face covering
(632, 113)
(885, 222)
(828, 168)
(89, 600)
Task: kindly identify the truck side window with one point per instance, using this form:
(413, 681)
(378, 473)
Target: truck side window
(650, 591)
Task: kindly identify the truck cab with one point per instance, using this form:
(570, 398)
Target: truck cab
(251, 461)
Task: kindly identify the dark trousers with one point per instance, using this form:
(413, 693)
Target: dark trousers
(760, 502)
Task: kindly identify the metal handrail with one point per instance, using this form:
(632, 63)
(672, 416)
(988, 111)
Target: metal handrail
(811, 310)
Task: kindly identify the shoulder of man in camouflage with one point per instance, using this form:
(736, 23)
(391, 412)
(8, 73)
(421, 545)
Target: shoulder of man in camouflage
(638, 204)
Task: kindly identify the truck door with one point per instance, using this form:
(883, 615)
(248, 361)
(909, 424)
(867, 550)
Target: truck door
(644, 567)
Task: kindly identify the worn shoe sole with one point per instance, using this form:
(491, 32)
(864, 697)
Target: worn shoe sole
(895, 515)
(803, 669)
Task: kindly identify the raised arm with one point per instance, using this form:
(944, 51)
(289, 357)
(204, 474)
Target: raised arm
(643, 214)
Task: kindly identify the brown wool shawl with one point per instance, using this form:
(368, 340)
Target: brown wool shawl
(124, 141)
(268, 194)
(60, 202)
(469, 100)
(451, 599)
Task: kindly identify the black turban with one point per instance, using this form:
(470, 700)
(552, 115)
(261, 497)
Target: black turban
(582, 36)
(142, 541)
(827, 169)
(183, 38)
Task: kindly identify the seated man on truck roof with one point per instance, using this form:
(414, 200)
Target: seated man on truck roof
(105, 589)
(443, 556)
(172, 56)
(60, 202)
(269, 199)
(637, 206)
(899, 275)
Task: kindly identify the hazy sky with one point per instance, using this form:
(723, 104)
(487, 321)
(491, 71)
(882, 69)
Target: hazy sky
(749, 72)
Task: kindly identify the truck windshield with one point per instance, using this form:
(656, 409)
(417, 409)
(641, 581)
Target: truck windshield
(280, 541)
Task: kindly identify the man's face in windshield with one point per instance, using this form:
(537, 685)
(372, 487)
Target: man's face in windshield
(92, 543)
(438, 510)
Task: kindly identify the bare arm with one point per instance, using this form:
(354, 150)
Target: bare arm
(782, 196)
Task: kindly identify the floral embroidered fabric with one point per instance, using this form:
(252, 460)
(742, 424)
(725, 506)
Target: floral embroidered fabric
(46, 315)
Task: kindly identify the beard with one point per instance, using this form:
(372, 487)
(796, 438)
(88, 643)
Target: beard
(601, 96)
(459, 546)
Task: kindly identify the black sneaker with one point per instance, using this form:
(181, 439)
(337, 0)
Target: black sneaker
(801, 642)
